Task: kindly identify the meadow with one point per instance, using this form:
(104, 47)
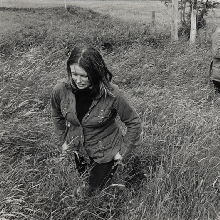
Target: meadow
(167, 82)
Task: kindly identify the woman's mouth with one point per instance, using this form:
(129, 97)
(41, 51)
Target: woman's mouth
(80, 85)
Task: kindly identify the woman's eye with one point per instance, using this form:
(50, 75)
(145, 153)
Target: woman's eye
(76, 74)
(84, 77)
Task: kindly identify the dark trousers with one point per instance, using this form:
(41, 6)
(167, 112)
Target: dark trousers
(216, 86)
(99, 174)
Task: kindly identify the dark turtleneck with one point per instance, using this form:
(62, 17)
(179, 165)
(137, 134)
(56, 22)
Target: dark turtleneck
(83, 102)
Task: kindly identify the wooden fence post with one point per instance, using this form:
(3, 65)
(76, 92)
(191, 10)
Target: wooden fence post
(153, 18)
(174, 21)
(193, 27)
(65, 4)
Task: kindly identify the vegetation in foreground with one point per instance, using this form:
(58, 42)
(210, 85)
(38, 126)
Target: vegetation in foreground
(166, 82)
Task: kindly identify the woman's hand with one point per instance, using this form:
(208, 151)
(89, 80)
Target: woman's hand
(118, 159)
(118, 156)
(64, 148)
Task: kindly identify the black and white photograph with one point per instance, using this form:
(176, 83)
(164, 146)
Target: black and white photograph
(109, 109)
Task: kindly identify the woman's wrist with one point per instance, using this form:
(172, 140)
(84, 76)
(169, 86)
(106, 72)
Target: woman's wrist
(64, 147)
(118, 156)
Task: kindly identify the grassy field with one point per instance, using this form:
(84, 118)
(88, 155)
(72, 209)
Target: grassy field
(132, 11)
(166, 81)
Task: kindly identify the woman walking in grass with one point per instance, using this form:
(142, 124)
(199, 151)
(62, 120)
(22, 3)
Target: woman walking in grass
(84, 111)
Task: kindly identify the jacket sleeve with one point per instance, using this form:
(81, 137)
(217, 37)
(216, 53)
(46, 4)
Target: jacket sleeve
(216, 43)
(57, 117)
(132, 121)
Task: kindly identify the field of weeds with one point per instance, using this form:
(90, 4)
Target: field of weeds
(132, 11)
(167, 83)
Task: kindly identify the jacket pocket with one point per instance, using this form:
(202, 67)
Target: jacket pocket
(95, 150)
(64, 109)
(106, 147)
(104, 115)
(67, 129)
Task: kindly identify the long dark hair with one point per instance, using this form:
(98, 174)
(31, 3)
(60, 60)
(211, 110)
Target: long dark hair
(92, 62)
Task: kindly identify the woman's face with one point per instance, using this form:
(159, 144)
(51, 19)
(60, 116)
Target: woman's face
(80, 76)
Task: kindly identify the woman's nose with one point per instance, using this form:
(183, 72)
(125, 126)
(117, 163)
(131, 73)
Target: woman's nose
(78, 79)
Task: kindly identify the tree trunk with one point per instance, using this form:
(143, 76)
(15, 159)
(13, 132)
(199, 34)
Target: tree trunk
(174, 22)
(184, 12)
(193, 27)
(181, 12)
(153, 18)
(65, 4)
(196, 8)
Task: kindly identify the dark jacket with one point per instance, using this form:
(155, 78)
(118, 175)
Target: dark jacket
(98, 135)
(215, 65)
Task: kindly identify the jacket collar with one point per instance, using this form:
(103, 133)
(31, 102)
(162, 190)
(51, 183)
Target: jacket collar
(70, 86)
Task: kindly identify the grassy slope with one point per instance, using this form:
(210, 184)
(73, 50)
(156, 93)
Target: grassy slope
(166, 82)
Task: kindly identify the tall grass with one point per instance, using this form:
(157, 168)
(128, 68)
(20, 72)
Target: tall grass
(166, 82)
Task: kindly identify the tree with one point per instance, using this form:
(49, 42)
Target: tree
(193, 25)
(194, 19)
(174, 21)
(65, 4)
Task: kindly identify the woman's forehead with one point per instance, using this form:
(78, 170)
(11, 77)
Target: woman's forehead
(77, 69)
